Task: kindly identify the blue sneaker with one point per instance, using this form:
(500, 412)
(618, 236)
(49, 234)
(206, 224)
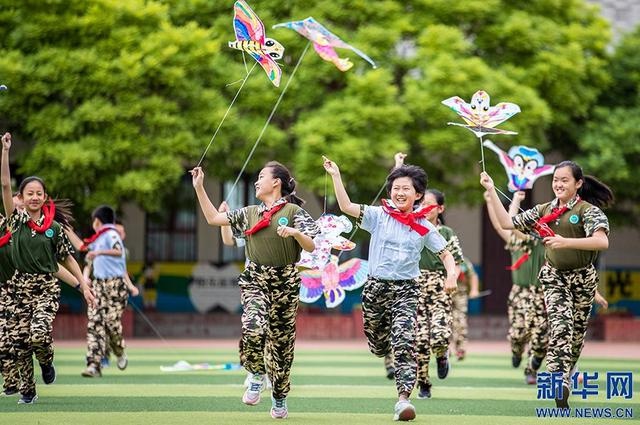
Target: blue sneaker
(279, 408)
(28, 399)
(104, 362)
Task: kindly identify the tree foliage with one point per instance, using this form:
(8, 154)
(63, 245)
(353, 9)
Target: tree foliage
(112, 101)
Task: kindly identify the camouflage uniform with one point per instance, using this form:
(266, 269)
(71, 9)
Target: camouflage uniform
(519, 296)
(269, 290)
(389, 313)
(434, 306)
(390, 295)
(7, 310)
(569, 279)
(460, 306)
(36, 290)
(104, 325)
(536, 318)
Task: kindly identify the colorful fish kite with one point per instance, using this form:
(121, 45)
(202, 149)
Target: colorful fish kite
(324, 42)
(250, 38)
(331, 226)
(523, 165)
(333, 280)
(481, 118)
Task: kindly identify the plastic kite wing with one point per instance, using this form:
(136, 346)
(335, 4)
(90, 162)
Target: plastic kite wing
(246, 23)
(324, 42)
(479, 116)
(311, 288)
(522, 164)
(331, 226)
(353, 273)
(250, 38)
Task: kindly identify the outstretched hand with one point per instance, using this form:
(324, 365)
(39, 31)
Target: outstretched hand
(6, 141)
(197, 177)
(330, 166)
(399, 159)
(486, 181)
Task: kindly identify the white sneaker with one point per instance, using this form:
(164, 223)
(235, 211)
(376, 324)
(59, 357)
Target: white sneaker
(404, 411)
(279, 408)
(122, 362)
(266, 381)
(252, 394)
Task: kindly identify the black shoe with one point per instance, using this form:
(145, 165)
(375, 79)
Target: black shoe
(391, 373)
(9, 392)
(536, 362)
(48, 373)
(28, 399)
(516, 360)
(563, 403)
(443, 366)
(425, 391)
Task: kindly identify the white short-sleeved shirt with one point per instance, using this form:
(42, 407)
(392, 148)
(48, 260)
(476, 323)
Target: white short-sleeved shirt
(394, 249)
(108, 266)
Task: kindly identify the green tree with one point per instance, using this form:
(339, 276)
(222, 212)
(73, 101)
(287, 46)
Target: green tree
(115, 99)
(611, 142)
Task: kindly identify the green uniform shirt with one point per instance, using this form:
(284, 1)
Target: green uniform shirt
(6, 261)
(527, 273)
(35, 252)
(431, 261)
(580, 221)
(266, 247)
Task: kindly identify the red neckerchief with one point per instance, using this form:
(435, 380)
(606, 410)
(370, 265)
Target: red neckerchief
(541, 225)
(409, 218)
(5, 238)
(49, 212)
(265, 220)
(88, 241)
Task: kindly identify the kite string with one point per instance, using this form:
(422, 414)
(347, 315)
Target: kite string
(226, 113)
(482, 153)
(266, 124)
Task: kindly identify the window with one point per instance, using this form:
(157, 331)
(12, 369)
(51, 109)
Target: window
(171, 232)
(243, 194)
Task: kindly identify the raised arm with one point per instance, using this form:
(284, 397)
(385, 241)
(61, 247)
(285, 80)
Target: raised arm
(225, 231)
(211, 214)
(73, 237)
(346, 206)
(502, 216)
(5, 176)
(504, 234)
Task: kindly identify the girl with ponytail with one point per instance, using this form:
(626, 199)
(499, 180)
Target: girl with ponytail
(573, 229)
(275, 232)
(38, 242)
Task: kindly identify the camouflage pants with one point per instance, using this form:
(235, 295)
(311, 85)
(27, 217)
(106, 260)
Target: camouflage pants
(536, 318)
(568, 296)
(8, 366)
(104, 325)
(37, 302)
(459, 310)
(269, 306)
(518, 303)
(434, 321)
(389, 310)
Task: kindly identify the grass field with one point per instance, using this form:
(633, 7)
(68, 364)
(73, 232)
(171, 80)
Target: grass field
(329, 386)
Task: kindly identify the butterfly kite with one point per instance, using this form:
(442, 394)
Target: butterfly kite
(523, 165)
(480, 117)
(331, 226)
(333, 280)
(250, 38)
(324, 42)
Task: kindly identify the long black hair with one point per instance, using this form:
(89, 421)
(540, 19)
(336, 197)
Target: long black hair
(593, 190)
(417, 175)
(64, 207)
(439, 200)
(288, 183)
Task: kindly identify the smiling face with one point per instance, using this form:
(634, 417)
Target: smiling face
(564, 185)
(403, 194)
(33, 196)
(430, 199)
(266, 185)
